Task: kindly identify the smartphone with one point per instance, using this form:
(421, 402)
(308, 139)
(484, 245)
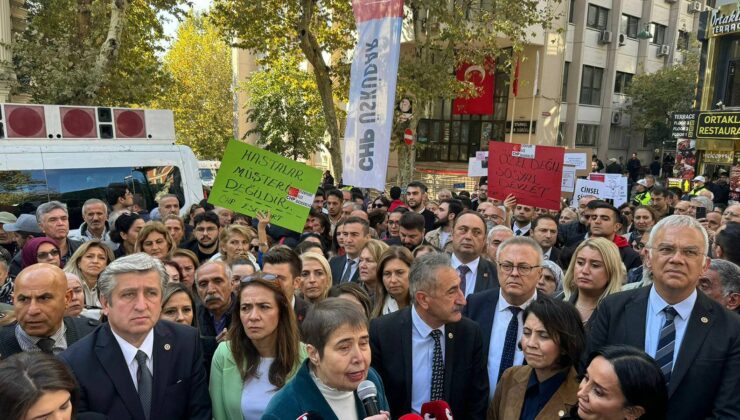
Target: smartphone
(701, 213)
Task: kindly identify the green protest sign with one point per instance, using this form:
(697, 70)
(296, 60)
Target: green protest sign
(251, 180)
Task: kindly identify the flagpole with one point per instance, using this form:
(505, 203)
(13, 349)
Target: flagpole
(534, 94)
(515, 91)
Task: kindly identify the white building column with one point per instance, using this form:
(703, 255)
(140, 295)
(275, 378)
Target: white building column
(6, 28)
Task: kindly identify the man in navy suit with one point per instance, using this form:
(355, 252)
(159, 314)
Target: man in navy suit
(498, 311)
(468, 244)
(135, 366)
(429, 351)
(694, 340)
(355, 234)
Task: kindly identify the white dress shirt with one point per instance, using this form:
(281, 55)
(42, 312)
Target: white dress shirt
(472, 275)
(501, 319)
(353, 269)
(422, 355)
(129, 354)
(655, 318)
(523, 230)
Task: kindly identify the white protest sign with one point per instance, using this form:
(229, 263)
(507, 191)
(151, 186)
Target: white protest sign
(478, 165)
(577, 159)
(604, 186)
(569, 178)
(585, 187)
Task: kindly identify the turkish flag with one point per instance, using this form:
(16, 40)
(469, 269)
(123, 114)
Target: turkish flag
(482, 77)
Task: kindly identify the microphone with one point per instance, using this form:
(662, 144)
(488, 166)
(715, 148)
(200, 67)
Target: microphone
(369, 396)
(310, 415)
(411, 416)
(438, 410)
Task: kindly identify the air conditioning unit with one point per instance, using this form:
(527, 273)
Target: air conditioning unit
(664, 50)
(606, 37)
(695, 7)
(616, 117)
(621, 40)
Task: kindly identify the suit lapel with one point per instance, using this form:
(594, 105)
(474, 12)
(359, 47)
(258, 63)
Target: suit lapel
(450, 337)
(486, 324)
(700, 322)
(483, 280)
(635, 312)
(164, 357)
(111, 359)
(407, 327)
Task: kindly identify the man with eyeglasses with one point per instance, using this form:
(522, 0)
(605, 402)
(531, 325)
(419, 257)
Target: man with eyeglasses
(731, 214)
(498, 311)
(445, 214)
(205, 232)
(694, 340)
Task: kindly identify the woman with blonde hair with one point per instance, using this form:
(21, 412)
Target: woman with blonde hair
(316, 277)
(369, 257)
(234, 242)
(90, 259)
(595, 272)
(392, 289)
(155, 240)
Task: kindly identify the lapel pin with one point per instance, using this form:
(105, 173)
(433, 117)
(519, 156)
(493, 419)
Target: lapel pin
(704, 320)
(561, 413)
(449, 335)
(167, 346)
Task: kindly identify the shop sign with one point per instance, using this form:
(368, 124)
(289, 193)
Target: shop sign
(724, 24)
(718, 156)
(718, 125)
(521, 127)
(683, 125)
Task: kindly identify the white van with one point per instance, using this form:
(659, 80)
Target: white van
(208, 171)
(71, 154)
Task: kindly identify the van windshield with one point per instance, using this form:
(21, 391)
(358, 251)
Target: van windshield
(206, 174)
(23, 191)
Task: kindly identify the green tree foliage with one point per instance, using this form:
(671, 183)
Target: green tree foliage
(101, 52)
(285, 108)
(656, 95)
(200, 95)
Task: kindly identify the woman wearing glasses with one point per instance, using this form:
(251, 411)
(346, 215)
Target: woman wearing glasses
(87, 263)
(262, 352)
(595, 271)
(41, 250)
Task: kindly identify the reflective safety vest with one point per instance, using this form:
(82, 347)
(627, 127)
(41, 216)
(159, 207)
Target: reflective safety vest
(642, 199)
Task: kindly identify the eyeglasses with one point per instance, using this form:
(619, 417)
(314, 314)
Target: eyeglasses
(639, 246)
(378, 205)
(493, 217)
(669, 251)
(523, 269)
(254, 247)
(259, 276)
(729, 214)
(45, 255)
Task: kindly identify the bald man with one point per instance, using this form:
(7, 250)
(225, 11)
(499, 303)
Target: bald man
(40, 299)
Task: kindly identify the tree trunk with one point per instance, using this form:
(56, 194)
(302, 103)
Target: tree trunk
(84, 17)
(312, 50)
(109, 48)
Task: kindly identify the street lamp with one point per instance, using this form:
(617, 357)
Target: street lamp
(645, 33)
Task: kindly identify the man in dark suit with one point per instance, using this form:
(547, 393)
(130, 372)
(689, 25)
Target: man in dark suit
(40, 298)
(407, 348)
(694, 340)
(545, 233)
(468, 245)
(523, 215)
(286, 265)
(498, 311)
(136, 367)
(355, 232)
(213, 283)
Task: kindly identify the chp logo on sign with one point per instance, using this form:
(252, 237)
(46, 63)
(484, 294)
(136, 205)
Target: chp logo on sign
(408, 137)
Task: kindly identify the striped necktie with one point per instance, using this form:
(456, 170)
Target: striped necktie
(666, 343)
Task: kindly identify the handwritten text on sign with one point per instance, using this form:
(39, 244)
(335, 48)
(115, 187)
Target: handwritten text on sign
(251, 180)
(535, 179)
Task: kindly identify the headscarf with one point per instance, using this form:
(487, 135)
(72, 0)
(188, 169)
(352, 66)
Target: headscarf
(28, 254)
(557, 272)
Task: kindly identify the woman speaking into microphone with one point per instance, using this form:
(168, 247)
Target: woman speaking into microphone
(326, 386)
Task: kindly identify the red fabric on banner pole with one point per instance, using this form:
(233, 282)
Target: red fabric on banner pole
(515, 85)
(365, 10)
(534, 181)
(482, 77)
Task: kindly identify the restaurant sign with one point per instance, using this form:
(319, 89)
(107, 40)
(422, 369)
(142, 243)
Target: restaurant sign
(718, 125)
(724, 23)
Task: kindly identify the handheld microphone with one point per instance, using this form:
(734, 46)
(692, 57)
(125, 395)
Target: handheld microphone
(438, 410)
(369, 396)
(411, 416)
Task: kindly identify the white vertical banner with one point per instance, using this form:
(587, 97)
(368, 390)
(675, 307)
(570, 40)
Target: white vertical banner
(372, 92)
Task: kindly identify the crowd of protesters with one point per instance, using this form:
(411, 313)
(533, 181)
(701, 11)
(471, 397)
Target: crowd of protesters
(500, 309)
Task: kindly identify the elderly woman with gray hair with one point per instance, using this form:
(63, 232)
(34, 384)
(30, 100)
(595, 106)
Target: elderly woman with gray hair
(551, 280)
(336, 335)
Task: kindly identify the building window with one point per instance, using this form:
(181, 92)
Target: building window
(683, 41)
(658, 32)
(598, 17)
(566, 73)
(562, 127)
(622, 81)
(587, 135)
(591, 85)
(629, 26)
(572, 11)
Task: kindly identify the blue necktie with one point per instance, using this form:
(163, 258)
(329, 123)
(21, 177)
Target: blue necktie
(507, 358)
(463, 271)
(666, 343)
